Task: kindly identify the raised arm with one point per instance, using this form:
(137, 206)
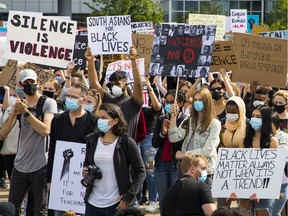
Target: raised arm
(226, 81)
(193, 88)
(154, 100)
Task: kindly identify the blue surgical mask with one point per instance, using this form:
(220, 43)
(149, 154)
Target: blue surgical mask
(198, 106)
(59, 79)
(89, 107)
(71, 104)
(167, 108)
(103, 126)
(256, 123)
(203, 176)
(20, 93)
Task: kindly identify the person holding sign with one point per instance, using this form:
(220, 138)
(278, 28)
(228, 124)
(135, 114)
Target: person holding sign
(190, 195)
(131, 106)
(259, 135)
(200, 131)
(111, 153)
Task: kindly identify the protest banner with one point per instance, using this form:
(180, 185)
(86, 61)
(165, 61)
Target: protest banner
(39, 39)
(258, 28)
(80, 45)
(8, 76)
(252, 20)
(2, 50)
(283, 34)
(43, 76)
(109, 34)
(238, 19)
(224, 56)
(141, 26)
(206, 19)
(245, 171)
(66, 190)
(260, 58)
(178, 49)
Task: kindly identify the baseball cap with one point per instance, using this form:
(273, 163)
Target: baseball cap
(27, 74)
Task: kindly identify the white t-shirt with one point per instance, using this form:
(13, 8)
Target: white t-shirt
(105, 191)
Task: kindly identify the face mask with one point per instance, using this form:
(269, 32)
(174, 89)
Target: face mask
(58, 78)
(103, 126)
(20, 93)
(198, 85)
(203, 176)
(117, 91)
(199, 106)
(279, 108)
(257, 103)
(167, 108)
(48, 94)
(256, 123)
(232, 117)
(71, 104)
(89, 107)
(12, 100)
(30, 89)
(216, 95)
(227, 95)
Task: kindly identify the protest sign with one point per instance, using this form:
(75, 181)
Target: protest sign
(260, 58)
(258, 28)
(178, 48)
(252, 20)
(229, 36)
(3, 31)
(66, 190)
(39, 39)
(80, 45)
(206, 19)
(141, 26)
(283, 34)
(224, 56)
(238, 19)
(2, 50)
(8, 75)
(245, 171)
(109, 34)
(43, 76)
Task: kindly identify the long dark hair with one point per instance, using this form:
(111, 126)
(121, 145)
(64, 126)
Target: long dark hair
(266, 129)
(114, 111)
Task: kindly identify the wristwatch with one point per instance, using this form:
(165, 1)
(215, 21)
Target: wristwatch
(26, 114)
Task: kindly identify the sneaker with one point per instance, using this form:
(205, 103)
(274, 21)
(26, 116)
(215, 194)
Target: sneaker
(143, 200)
(152, 207)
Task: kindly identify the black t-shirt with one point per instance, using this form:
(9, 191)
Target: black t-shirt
(186, 197)
(150, 118)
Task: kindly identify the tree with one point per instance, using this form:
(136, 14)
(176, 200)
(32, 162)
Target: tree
(211, 7)
(140, 10)
(278, 16)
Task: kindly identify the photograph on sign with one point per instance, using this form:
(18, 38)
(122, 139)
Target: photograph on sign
(109, 34)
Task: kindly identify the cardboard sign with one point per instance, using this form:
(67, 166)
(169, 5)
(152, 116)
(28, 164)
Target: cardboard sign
(260, 58)
(276, 34)
(246, 171)
(252, 20)
(141, 26)
(8, 75)
(177, 49)
(205, 19)
(39, 39)
(258, 28)
(109, 34)
(2, 51)
(79, 60)
(238, 20)
(66, 190)
(224, 56)
(43, 76)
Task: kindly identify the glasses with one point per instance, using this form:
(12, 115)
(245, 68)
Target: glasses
(217, 88)
(71, 96)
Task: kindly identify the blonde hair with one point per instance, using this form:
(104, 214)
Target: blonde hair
(191, 160)
(96, 95)
(234, 133)
(57, 86)
(69, 213)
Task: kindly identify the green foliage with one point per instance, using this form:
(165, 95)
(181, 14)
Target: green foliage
(278, 17)
(211, 7)
(140, 10)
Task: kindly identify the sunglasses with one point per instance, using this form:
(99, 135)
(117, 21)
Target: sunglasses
(217, 88)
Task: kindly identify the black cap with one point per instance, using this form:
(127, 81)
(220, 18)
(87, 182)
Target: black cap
(118, 75)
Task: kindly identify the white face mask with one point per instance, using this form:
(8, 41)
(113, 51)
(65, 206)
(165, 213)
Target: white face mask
(12, 100)
(232, 117)
(117, 91)
(257, 103)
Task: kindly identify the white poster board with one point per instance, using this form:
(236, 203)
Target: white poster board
(238, 19)
(66, 190)
(39, 39)
(109, 34)
(141, 26)
(283, 34)
(2, 51)
(246, 171)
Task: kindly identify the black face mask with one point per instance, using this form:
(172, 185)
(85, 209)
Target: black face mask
(30, 89)
(216, 95)
(48, 94)
(279, 108)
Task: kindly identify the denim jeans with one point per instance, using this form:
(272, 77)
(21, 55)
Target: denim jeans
(95, 211)
(278, 204)
(145, 146)
(19, 185)
(165, 174)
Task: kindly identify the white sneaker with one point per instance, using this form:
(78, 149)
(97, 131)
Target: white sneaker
(152, 207)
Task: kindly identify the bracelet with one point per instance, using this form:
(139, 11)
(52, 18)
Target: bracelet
(26, 114)
(66, 77)
(135, 68)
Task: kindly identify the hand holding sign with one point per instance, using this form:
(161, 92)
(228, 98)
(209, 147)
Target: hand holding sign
(133, 53)
(88, 55)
